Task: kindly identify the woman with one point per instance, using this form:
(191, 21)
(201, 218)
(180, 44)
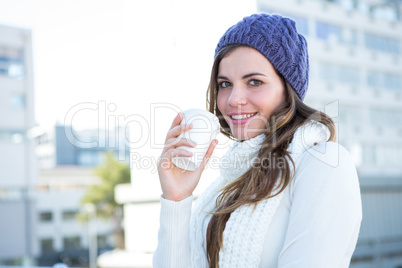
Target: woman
(287, 195)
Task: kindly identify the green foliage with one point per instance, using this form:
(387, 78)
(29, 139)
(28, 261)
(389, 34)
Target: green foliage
(111, 173)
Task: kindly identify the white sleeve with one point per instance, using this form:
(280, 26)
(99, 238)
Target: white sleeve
(326, 211)
(173, 250)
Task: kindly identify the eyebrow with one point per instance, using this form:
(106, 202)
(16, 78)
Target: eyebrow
(244, 76)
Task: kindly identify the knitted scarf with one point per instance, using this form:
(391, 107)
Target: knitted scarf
(246, 228)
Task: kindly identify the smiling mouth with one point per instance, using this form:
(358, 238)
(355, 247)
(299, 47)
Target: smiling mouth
(241, 116)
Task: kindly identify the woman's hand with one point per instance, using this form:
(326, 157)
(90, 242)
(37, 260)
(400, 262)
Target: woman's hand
(178, 184)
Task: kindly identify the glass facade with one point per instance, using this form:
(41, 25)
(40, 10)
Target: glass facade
(17, 100)
(90, 158)
(381, 156)
(332, 73)
(338, 74)
(382, 44)
(12, 136)
(388, 156)
(328, 32)
(12, 62)
(377, 9)
(350, 115)
(386, 81)
(388, 118)
(301, 24)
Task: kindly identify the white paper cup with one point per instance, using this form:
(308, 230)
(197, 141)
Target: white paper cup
(205, 128)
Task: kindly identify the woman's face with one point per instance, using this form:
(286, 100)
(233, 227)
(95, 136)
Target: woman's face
(249, 91)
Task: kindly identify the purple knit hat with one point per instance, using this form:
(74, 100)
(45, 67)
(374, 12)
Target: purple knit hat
(277, 39)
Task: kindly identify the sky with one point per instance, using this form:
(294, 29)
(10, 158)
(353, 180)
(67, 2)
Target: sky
(123, 53)
(102, 63)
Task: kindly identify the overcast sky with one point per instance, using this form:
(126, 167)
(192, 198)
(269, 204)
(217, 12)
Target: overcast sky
(124, 53)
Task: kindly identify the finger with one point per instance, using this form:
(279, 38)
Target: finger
(177, 131)
(165, 160)
(177, 120)
(208, 154)
(176, 142)
(171, 153)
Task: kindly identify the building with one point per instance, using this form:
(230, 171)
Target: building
(17, 156)
(66, 159)
(60, 236)
(356, 76)
(64, 146)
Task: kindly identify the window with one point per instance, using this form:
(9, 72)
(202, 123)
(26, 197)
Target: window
(338, 74)
(13, 136)
(328, 32)
(11, 62)
(351, 115)
(69, 215)
(386, 12)
(11, 193)
(369, 157)
(348, 4)
(374, 80)
(348, 75)
(46, 245)
(385, 118)
(89, 158)
(102, 241)
(46, 216)
(301, 24)
(17, 100)
(71, 243)
(388, 156)
(390, 82)
(382, 44)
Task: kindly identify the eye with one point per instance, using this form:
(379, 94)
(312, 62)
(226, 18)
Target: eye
(224, 84)
(255, 82)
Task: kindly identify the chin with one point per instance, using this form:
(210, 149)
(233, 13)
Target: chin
(242, 136)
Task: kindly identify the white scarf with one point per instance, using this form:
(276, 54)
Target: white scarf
(246, 228)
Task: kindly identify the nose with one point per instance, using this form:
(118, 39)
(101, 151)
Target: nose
(237, 97)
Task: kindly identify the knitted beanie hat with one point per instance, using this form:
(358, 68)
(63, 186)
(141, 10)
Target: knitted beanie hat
(277, 39)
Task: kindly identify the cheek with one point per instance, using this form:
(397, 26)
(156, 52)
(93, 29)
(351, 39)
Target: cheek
(268, 101)
(220, 102)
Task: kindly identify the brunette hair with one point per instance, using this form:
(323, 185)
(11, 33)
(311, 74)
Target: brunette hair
(259, 182)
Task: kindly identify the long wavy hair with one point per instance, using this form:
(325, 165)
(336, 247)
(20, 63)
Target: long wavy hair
(258, 183)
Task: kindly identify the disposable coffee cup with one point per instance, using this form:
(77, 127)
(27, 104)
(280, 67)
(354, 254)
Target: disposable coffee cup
(205, 128)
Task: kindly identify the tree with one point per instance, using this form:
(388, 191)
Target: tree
(111, 173)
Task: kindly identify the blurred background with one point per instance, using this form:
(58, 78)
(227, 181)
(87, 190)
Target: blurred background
(89, 88)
